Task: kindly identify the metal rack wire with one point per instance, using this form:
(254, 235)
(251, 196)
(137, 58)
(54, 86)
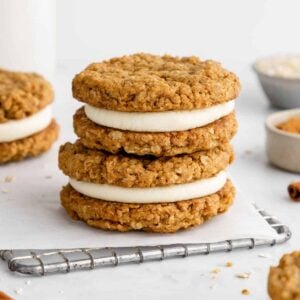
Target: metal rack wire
(42, 262)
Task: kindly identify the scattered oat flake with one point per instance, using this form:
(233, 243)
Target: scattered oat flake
(19, 291)
(243, 275)
(245, 292)
(28, 282)
(9, 179)
(215, 271)
(264, 255)
(48, 176)
(229, 264)
(4, 191)
(248, 152)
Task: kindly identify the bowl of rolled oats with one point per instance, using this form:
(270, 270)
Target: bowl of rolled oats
(279, 77)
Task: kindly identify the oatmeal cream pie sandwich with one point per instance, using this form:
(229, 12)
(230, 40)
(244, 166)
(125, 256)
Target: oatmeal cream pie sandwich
(153, 144)
(125, 192)
(155, 105)
(27, 127)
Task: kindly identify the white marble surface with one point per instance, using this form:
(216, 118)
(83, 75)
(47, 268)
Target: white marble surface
(190, 278)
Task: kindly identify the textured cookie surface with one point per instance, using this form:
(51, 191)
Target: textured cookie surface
(144, 82)
(80, 163)
(284, 280)
(161, 217)
(95, 136)
(30, 146)
(22, 94)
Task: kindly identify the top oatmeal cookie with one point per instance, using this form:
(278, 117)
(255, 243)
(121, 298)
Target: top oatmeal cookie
(145, 82)
(22, 94)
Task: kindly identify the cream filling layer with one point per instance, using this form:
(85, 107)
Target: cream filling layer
(178, 192)
(19, 129)
(165, 121)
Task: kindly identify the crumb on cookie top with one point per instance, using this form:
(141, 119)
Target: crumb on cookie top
(22, 94)
(144, 82)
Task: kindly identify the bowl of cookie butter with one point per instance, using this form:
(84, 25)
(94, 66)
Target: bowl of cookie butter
(283, 139)
(279, 77)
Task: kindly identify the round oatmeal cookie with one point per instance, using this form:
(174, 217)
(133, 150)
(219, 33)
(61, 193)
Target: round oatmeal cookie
(29, 146)
(99, 137)
(83, 164)
(22, 94)
(284, 280)
(144, 82)
(161, 217)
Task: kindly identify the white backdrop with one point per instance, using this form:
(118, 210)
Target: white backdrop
(232, 31)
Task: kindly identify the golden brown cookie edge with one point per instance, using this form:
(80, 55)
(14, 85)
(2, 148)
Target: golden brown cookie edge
(99, 137)
(161, 217)
(138, 83)
(31, 146)
(97, 166)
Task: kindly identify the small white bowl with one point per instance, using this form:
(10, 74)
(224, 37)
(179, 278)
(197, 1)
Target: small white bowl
(282, 92)
(283, 148)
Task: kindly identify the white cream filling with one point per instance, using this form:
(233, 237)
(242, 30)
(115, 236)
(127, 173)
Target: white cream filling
(19, 129)
(158, 121)
(178, 192)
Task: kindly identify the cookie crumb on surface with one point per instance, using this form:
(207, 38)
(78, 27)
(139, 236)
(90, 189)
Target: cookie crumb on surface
(248, 152)
(8, 179)
(229, 264)
(19, 291)
(244, 275)
(245, 292)
(264, 255)
(28, 282)
(294, 191)
(215, 271)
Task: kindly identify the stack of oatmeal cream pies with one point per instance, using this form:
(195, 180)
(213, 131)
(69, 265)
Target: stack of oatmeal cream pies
(153, 144)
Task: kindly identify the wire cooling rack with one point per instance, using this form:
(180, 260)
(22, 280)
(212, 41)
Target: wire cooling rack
(42, 262)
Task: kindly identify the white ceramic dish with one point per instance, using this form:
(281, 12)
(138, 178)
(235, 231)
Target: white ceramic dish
(282, 92)
(283, 148)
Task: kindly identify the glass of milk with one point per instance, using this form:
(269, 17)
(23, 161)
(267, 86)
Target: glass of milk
(27, 36)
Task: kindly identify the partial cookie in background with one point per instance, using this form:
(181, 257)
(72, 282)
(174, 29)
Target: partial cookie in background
(31, 146)
(158, 217)
(284, 280)
(144, 82)
(95, 136)
(83, 164)
(22, 94)
(27, 127)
